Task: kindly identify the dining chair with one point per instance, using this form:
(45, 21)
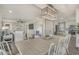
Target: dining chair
(10, 48)
(2, 51)
(61, 47)
(5, 47)
(65, 45)
(52, 49)
(56, 49)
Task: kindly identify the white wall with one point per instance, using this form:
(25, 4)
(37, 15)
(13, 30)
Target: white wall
(0, 22)
(77, 15)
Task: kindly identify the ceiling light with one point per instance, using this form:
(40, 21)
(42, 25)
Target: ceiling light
(10, 11)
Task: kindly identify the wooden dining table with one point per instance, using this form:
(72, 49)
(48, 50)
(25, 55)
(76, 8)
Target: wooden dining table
(36, 46)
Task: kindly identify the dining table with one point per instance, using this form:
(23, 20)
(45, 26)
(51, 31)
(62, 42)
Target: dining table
(37, 46)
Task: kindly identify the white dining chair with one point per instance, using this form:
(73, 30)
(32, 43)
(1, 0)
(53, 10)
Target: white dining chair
(56, 49)
(5, 47)
(8, 48)
(52, 49)
(2, 51)
(61, 47)
(65, 45)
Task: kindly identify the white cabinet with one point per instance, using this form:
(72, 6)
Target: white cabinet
(19, 35)
(77, 40)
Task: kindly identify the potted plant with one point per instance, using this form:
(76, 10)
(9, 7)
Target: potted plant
(46, 35)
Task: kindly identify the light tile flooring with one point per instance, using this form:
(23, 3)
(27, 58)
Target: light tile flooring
(72, 46)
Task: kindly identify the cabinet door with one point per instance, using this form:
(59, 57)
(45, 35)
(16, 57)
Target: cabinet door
(19, 36)
(77, 40)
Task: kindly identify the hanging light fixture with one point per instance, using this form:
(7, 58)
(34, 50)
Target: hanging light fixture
(48, 11)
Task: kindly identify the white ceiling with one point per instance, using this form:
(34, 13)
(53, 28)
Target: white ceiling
(66, 11)
(29, 11)
(66, 8)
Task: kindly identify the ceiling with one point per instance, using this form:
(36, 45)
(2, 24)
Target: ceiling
(30, 11)
(19, 11)
(66, 10)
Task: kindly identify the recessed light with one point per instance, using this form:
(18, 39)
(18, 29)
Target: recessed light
(10, 11)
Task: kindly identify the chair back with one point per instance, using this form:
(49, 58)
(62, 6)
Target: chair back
(61, 47)
(64, 45)
(52, 49)
(10, 48)
(2, 51)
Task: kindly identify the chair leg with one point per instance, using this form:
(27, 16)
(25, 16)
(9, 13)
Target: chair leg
(67, 51)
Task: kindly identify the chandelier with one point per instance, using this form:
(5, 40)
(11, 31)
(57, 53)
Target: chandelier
(48, 11)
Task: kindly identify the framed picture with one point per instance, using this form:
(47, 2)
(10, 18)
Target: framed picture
(31, 26)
